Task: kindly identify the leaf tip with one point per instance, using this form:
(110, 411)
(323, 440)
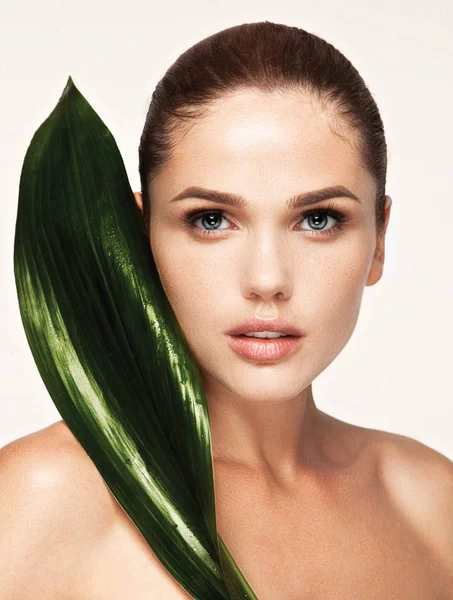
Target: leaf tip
(69, 86)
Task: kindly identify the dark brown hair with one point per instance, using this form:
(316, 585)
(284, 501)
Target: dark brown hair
(268, 57)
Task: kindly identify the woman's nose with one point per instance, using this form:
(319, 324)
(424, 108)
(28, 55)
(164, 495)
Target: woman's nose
(266, 271)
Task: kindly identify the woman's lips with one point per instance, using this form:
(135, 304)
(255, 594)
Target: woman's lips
(262, 349)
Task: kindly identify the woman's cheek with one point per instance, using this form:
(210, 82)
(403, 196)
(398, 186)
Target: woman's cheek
(333, 311)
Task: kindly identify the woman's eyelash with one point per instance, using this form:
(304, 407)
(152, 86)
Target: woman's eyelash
(330, 210)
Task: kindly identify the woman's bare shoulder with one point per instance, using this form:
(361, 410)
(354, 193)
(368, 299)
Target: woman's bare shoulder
(55, 474)
(55, 509)
(419, 480)
(55, 460)
(404, 461)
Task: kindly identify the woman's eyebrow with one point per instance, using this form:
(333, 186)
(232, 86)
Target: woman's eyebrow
(307, 198)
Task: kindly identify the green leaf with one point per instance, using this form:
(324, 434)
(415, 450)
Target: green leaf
(109, 348)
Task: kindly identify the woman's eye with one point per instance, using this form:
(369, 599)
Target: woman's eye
(210, 220)
(318, 221)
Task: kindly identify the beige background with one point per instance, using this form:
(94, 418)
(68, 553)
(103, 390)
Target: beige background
(394, 373)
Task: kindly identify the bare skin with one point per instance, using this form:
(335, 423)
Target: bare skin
(310, 507)
(374, 526)
(265, 260)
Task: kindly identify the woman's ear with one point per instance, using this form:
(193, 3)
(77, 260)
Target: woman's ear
(139, 201)
(377, 264)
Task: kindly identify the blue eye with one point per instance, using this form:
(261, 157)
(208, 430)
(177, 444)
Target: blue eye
(209, 220)
(317, 221)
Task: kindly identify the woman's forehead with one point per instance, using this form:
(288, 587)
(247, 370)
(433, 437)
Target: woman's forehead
(251, 144)
(277, 132)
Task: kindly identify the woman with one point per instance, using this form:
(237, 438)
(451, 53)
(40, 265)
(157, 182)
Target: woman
(263, 166)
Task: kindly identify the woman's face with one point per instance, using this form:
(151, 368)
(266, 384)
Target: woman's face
(265, 260)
